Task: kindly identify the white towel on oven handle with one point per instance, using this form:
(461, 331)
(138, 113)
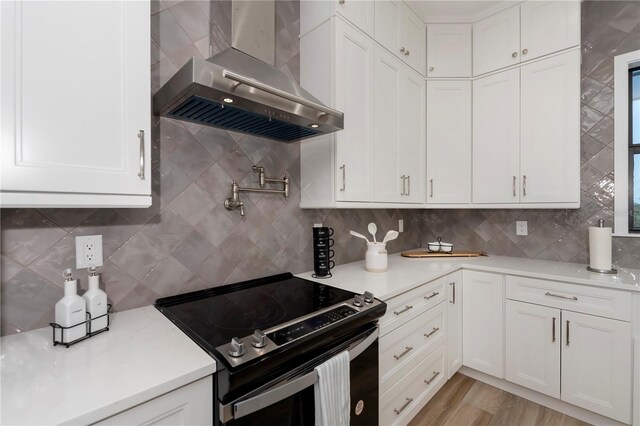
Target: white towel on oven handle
(333, 392)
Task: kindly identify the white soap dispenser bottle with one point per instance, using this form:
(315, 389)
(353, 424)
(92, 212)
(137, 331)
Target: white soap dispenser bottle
(96, 300)
(70, 310)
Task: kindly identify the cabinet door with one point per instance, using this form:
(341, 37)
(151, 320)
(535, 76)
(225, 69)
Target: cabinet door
(413, 38)
(387, 28)
(448, 142)
(597, 365)
(449, 50)
(390, 180)
(496, 134)
(454, 323)
(75, 97)
(412, 134)
(482, 315)
(496, 41)
(359, 12)
(354, 62)
(533, 347)
(549, 26)
(550, 153)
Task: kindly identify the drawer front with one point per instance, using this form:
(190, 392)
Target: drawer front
(405, 307)
(572, 297)
(403, 349)
(411, 393)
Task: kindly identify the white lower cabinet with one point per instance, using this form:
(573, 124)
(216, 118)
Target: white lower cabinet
(482, 322)
(189, 405)
(454, 323)
(582, 359)
(407, 397)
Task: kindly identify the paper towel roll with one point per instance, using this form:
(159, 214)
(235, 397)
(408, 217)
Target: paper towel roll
(600, 248)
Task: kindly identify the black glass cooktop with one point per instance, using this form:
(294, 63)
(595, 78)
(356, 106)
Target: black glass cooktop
(218, 314)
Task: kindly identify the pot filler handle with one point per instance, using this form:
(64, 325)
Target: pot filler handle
(241, 79)
(236, 410)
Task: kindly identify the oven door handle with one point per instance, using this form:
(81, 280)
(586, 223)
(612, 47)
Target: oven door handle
(238, 409)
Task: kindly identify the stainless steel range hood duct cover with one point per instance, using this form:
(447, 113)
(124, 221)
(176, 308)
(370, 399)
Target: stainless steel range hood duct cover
(235, 91)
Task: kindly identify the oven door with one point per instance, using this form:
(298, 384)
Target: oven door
(291, 402)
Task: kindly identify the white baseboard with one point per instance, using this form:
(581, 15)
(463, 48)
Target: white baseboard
(538, 398)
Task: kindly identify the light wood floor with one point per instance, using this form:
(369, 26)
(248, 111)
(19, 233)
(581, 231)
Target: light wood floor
(463, 401)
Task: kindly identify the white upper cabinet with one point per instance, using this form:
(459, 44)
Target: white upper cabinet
(75, 105)
(401, 31)
(449, 50)
(496, 138)
(549, 133)
(354, 95)
(496, 41)
(448, 142)
(548, 26)
(314, 12)
(527, 31)
(412, 135)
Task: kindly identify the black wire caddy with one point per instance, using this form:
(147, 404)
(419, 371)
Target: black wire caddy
(86, 323)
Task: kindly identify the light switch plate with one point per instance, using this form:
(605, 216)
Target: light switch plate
(88, 251)
(521, 227)
(400, 225)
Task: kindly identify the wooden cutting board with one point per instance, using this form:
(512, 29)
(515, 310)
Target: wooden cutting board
(425, 253)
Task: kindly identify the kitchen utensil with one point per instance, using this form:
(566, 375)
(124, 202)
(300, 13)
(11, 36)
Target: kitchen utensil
(390, 236)
(425, 253)
(373, 229)
(356, 234)
(375, 259)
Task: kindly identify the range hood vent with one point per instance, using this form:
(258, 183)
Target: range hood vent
(235, 91)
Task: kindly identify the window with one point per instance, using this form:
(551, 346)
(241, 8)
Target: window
(634, 150)
(627, 144)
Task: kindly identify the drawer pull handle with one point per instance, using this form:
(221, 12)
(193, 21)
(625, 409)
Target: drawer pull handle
(406, 308)
(454, 293)
(435, 329)
(406, 404)
(567, 332)
(406, 351)
(434, 294)
(435, 374)
(560, 296)
(553, 330)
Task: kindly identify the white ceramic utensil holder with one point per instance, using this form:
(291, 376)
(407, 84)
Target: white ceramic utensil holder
(375, 259)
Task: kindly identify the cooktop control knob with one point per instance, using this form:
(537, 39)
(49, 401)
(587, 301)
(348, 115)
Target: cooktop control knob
(237, 348)
(358, 300)
(368, 297)
(259, 339)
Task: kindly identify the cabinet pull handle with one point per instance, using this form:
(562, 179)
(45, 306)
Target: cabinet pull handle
(341, 1)
(141, 137)
(406, 404)
(567, 332)
(524, 185)
(553, 330)
(561, 296)
(406, 308)
(407, 52)
(431, 188)
(402, 50)
(514, 54)
(435, 374)
(454, 293)
(404, 191)
(435, 329)
(525, 51)
(408, 185)
(431, 68)
(514, 186)
(344, 177)
(432, 295)
(407, 349)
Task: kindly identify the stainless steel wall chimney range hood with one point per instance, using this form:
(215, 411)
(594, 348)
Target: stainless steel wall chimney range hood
(233, 90)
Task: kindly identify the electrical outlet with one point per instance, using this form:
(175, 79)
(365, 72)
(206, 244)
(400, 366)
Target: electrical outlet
(400, 225)
(88, 251)
(521, 227)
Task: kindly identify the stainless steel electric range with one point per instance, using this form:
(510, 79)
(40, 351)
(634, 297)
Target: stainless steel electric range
(267, 336)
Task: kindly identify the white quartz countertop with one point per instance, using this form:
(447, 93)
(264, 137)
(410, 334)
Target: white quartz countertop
(407, 273)
(142, 356)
